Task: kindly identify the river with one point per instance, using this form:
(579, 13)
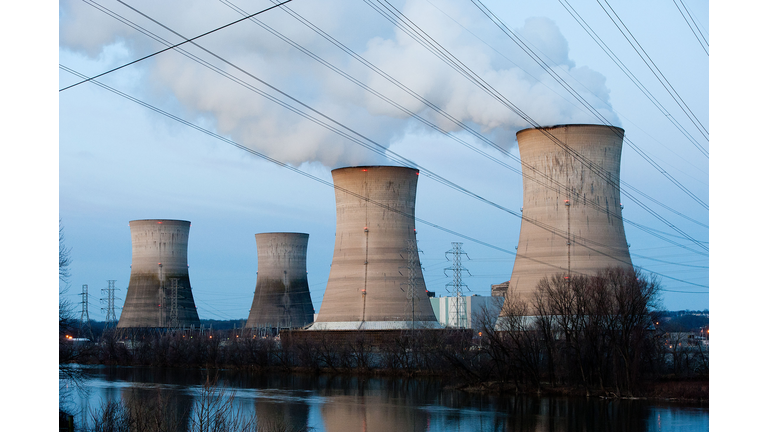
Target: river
(327, 403)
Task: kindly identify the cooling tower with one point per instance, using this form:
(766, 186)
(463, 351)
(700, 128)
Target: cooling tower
(159, 293)
(571, 212)
(375, 264)
(282, 296)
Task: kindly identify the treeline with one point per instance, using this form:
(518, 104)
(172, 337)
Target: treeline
(589, 334)
(596, 333)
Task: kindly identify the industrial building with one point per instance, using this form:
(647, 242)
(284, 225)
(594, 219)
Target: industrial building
(375, 282)
(466, 311)
(159, 293)
(571, 216)
(281, 298)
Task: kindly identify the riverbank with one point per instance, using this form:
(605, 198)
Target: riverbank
(341, 402)
(468, 363)
(681, 390)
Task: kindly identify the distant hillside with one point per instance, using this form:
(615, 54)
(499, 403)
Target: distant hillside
(683, 321)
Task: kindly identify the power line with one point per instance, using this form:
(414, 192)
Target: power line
(510, 34)
(376, 147)
(350, 130)
(405, 24)
(323, 181)
(608, 51)
(654, 69)
(699, 40)
(357, 137)
(470, 130)
(442, 112)
(173, 46)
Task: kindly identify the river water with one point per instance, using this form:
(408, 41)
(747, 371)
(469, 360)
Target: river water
(331, 404)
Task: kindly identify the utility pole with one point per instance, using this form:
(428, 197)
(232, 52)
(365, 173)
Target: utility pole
(457, 286)
(85, 320)
(111, 319)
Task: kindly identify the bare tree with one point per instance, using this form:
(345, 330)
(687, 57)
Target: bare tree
(634, 297)
(66, 317)
(596, 328)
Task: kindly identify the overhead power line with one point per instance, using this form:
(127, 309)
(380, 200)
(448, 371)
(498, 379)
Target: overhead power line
(377, 147)
(697, 33)
(404, 23)
(325, 182)
(362, 140)
(652, 66)
(547, 68)
(616, 60)
(174, 46)
(427, 103)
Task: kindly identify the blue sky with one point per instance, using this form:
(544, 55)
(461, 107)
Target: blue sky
(119, 161)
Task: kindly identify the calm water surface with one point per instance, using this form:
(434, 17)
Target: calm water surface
(381, 404)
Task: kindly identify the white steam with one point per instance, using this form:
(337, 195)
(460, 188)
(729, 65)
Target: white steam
(269, 128)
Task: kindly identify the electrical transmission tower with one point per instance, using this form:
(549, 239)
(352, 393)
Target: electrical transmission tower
(457, 286)
(85, 320)
(411, 255)
(173, 304)
(111, 320)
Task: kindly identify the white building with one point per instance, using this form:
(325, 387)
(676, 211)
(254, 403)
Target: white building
(471, 309)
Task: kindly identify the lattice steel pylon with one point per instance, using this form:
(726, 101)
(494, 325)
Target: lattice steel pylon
(85, 320)
(456, 287)
(111, 319)
(173, 304)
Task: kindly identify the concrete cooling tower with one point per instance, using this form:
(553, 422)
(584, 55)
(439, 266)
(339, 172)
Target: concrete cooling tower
(571, 213)
(375, 264)
(159, 293)
(281, 299)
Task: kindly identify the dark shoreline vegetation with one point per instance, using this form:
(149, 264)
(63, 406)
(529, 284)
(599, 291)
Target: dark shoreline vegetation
(592, 336)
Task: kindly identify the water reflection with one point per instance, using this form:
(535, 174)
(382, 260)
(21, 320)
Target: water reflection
(153, 406)
(273, 414)
(377, 404)
(371, 413)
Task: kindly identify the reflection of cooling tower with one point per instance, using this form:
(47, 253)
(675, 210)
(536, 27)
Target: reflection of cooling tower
(282, 291)
(158, 271)
(281, 414)
(372, 413)
(374, 259)
(571, 213)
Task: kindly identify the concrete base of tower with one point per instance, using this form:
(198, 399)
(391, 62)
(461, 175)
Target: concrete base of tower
(375, 325)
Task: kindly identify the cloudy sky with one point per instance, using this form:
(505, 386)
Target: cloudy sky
(308, 84)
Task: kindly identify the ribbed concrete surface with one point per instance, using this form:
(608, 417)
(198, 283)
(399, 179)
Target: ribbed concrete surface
(561, 194)
(369, 274)
(159, 255)
(281, 298)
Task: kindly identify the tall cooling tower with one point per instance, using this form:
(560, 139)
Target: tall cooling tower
(159, 293)
(375, 264)
(572, 220)
(282, 296)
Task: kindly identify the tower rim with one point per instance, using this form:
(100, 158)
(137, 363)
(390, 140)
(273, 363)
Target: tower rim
(560, 126)
(374, 166)
(179, 221)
